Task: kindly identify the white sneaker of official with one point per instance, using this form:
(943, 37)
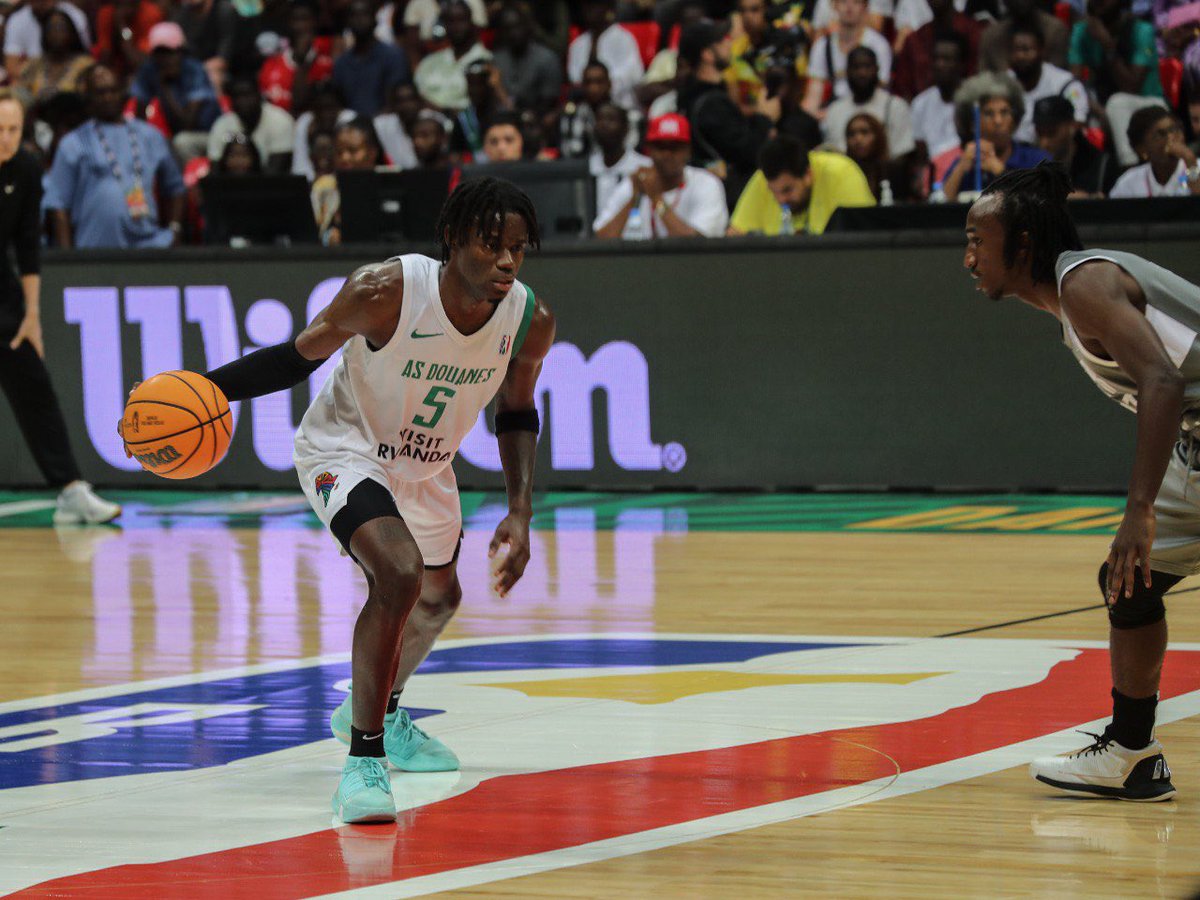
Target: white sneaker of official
(1106, 769)
(79, 505)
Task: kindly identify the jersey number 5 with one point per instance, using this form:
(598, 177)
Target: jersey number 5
(436, 400)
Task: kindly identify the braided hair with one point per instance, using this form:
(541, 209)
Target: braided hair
(1034, 202)
(478, 208)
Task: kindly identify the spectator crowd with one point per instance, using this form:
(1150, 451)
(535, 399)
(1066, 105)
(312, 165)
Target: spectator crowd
(694, 117)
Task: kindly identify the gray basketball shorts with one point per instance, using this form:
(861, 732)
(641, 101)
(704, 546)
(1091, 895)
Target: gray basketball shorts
(1176, 548)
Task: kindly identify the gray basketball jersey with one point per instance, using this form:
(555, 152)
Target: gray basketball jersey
(1173, 311)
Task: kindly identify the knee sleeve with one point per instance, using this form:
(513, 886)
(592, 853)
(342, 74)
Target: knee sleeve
(1145, 607)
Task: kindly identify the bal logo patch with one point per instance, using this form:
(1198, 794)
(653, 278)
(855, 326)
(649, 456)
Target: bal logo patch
(324, 484)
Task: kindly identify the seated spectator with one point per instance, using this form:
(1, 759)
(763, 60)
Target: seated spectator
(613, 161)
(210, 31)
(1194, 116)
(61, 115)
(441, 77)
(669, 198)
(395, 127)
(355, 148)
(1169, 168)
(431, 140)
(503, 140)
(934, 128)
(829, 56)
(1001, 106)
(662, 76)
(485, 100)
(286, 78)
(23, 32)
(867, 95)
(1039, 78)
(61, 64)
(551, 23)
(809, 185)
(613, 46)
(531, 72)
(753, 50)
(421, 18)
(1060, 135)
(123, 34)
(369, 70)
(867, 144)
(103, 187)
(179, 83)
(321, 152)
(271, 129)
(912, 71)
(824, 15)
(239, 156)
(788, 88)
(578, 116)
(997, 38)
(327, 113)
(1116, 56)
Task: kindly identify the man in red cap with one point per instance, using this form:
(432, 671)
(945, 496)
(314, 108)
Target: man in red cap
(668, 198)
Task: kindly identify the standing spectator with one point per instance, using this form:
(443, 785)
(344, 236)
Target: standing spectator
(934, 127)
(180, 85)
(421, 18)
(796, 191)
(23, 32)
(1116, 56)
(23, 374)
(123, 34)
(1039, 78)
(531, 72)
(993, 46)
(61, 64)
(1001, 106)
(1059, 134)
(912, 72)
(867, 144)
(431, 139)
(441, 77)
(485, 99)
(368, 71)
(210, 30)
(269, 127)
(327, 113)
(395, 127)
(669, 198)
(867, 95)
(286, 78)
(503, 140)
(107, 173)
(613, 161)
(1169, 168)
(604, 40)
(827, 61)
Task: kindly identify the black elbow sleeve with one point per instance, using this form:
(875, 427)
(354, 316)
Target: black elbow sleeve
(263, 372)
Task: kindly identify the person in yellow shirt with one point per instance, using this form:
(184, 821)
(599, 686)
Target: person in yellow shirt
(759, 39)
(796, 192)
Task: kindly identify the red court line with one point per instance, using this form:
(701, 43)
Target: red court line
(518, 815)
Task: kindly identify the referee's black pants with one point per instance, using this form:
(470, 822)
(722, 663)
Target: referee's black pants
(26, 383)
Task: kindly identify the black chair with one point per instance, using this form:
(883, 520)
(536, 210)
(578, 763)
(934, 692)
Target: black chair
(259, 209)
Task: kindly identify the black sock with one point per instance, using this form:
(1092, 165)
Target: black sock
(363, 744)
(1133, 720)
(393, 702)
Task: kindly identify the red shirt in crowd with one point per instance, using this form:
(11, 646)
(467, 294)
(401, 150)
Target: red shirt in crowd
(145, 17)
(912, 69)
(279, 71)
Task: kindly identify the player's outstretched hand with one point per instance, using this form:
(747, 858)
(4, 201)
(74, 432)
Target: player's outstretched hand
(1130, 551)
(513, 530)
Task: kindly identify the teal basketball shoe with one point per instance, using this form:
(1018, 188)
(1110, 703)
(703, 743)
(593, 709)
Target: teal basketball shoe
(408, 747)
(365, 792)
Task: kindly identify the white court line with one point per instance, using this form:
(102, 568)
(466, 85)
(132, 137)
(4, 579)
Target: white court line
(18, 507)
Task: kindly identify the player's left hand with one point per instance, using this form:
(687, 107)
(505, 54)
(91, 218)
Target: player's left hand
(513, 530)
(1130, 551)
(29, 330)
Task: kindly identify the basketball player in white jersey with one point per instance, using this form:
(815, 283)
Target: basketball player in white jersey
(1132, 326)
(426, 346)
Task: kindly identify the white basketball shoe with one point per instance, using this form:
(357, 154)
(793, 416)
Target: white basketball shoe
(1106, 769)
(79, 505)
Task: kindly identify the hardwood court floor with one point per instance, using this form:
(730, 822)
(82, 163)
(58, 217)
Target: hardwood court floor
(871, 589)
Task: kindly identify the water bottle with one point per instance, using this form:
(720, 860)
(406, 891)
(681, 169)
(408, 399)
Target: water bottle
(1184, 187)
(885, 193)
(937, 195)
(634, 223)
(786, 226)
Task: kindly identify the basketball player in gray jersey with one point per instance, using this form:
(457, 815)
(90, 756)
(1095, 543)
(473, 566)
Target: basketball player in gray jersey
(1133, 328)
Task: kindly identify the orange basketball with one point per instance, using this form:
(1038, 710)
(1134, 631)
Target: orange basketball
(177, 424)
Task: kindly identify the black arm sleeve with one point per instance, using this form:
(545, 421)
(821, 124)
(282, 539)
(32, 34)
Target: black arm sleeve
(263, 372)
(27, 239)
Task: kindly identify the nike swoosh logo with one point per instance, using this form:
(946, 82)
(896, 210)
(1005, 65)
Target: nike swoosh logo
(417, 335)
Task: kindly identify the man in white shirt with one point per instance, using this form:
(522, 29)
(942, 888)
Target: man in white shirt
(613, 162)
(1170, 168)
(422, 16)
(1038, 78)
(442, 77)
(670, 198)
(827, 60)
(933, 108)
(23, 32)
(271, 129)
(615, 47)
(862, 74)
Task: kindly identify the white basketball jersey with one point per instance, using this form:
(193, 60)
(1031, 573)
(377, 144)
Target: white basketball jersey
(409, 404)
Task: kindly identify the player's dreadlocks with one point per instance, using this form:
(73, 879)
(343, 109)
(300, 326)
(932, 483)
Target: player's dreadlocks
(1034, 202)
(478, 208)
